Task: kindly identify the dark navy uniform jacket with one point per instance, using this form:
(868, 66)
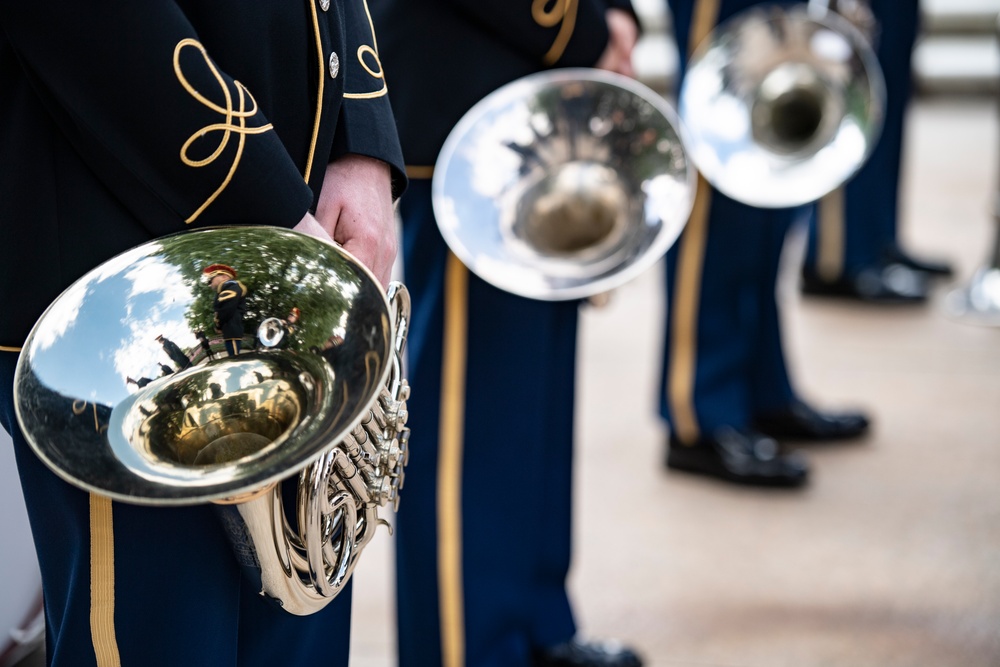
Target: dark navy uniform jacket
(443, 56)
(230, 308)
(124, 121)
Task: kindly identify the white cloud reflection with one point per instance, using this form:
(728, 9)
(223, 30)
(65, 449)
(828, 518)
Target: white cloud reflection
(161, 313)
(61, 316)
(64, 312)
(495, 164)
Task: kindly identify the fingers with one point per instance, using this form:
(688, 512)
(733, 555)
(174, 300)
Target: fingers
(373, 245)
(355, 208)
(625, 29)
(375, 250)
(622, 36)
(309, 225)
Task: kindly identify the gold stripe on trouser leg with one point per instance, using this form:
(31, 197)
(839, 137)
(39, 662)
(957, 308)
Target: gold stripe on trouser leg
(830, 236)
(419, 171)
(684, 323)
(704, 17)
(102, 582)
(449, 497)
(687, 278)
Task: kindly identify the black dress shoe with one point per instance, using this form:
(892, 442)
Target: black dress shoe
(932, 268)
(740, 456)
(888, 282)
(800, 421)
(577, 653)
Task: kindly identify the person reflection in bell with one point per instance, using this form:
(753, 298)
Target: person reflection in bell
(291, 325)
(230, 305)
(165, 370)
(329, 349)
(175, 353)
(140, 383)
(206, 345)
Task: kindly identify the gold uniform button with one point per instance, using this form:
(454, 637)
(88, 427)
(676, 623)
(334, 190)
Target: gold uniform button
(334, 65)
(324, 4)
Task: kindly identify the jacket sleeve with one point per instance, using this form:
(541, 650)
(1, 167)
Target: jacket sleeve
(366, 125)
(174, 137)
(551, 32)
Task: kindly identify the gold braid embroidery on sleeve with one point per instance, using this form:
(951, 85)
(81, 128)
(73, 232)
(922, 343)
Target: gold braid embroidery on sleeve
(227, 128)
(319, 91)
(376, 71)
(561, 11)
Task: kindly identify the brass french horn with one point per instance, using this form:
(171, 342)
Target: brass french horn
(563, 184)
(782, 105)
(119, 395)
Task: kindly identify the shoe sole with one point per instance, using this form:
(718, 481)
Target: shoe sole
(681, 463)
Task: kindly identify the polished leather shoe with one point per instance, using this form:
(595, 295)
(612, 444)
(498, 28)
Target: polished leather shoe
(932, 268)
(887, 282)
(577, 653)
(800, 421)
(739, 455)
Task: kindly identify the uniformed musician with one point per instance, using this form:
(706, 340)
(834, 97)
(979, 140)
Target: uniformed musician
(725, 390)
(484, 534)
(854, 250)
(175, 353)
(121, 122)
(230, 305)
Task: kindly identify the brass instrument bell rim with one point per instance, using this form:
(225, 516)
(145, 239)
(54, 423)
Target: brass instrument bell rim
(162, 471)
(669, 228)
(780, 180)
(146, 490)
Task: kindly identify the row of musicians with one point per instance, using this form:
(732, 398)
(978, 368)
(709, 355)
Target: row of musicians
(104, 111)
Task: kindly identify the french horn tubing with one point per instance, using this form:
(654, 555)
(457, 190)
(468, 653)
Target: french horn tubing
(124, 389)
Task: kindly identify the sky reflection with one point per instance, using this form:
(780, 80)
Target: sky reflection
(94, 322)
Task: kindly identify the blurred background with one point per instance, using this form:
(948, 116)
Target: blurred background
(891, 556)
(957, 54)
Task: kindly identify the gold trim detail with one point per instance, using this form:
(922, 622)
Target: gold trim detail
(79, 406)
(830, 236)
(102, 582)
(687, 281)
(321, 68)
(376, 72)
(684, 323)
(227, 128)
(421, 172)
(5, 348)
(706, 15)
(449, 496)
(561, 11)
